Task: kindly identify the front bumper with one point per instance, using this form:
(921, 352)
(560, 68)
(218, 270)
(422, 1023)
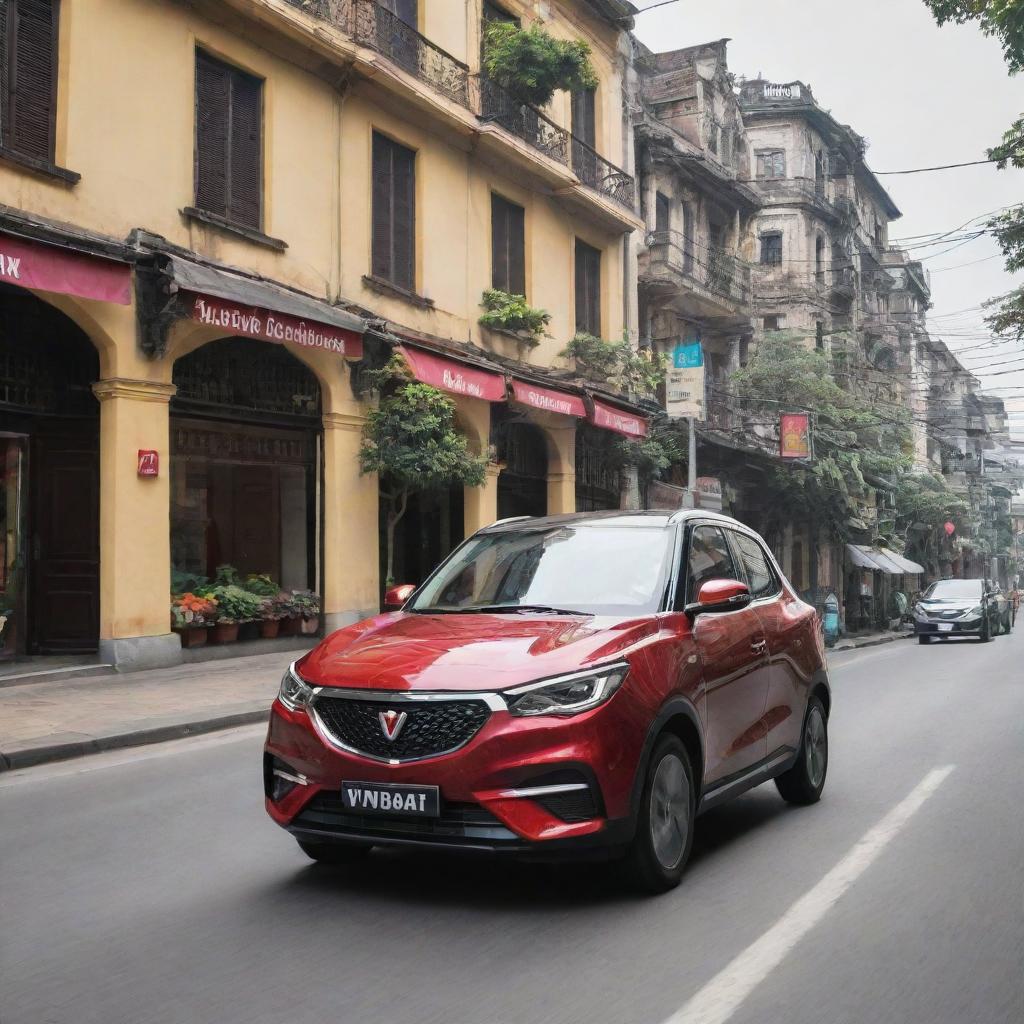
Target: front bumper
(959, 627)
(491, 789)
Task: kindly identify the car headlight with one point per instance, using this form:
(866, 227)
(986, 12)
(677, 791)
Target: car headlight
(973, 613)
(295, 692)
(567, 695)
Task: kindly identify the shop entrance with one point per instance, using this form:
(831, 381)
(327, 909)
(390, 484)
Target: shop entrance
(245, 455)
(523, 483)
(597, 478)
(49, 491)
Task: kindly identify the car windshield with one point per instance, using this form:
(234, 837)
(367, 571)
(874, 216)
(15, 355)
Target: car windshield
(594, 570)
(954, 590)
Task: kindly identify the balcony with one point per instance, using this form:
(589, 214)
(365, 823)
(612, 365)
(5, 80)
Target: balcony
(784, 191)
(523, 121)
(601, 175)
(713, 275)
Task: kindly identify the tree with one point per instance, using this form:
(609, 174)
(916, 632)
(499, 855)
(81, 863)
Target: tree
(411, 442)
(1003, 19)
(616, 365)
(856, 445)
(924, 504)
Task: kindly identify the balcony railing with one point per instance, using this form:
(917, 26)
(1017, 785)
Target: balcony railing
(600, 174)
(523, 121)
(714, 269)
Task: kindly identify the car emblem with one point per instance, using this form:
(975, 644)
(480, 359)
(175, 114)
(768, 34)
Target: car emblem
(391, 723)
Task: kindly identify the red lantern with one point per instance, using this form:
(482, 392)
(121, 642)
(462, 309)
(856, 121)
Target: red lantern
(950, 529)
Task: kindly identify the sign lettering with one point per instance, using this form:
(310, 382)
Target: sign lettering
(548, 400)
(50, 268)
(610, 418)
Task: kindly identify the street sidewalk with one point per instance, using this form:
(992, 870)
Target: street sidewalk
(850, 643)
(55, 720)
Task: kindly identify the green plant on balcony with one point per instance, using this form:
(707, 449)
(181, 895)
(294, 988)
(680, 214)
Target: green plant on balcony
(616, 365)
(532, 64)
(505, 312)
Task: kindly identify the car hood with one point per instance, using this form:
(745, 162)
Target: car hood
(400, 651)
(950, 604)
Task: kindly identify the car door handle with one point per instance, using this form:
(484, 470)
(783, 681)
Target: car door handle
(759, 646)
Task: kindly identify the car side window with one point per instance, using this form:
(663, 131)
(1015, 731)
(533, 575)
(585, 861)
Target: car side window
(761, 578)
(709, 558)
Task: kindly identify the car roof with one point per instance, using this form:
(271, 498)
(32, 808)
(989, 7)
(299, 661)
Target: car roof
(642, 518)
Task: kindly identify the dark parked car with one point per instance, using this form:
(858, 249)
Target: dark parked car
(558, 687)
(959, 608)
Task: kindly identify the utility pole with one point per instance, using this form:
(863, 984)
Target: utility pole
(691, 464)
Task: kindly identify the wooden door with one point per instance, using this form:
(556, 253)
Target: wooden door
(65, 547)
(256, 535)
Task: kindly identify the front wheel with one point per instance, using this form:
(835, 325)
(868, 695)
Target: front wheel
(803, 783)
(334, 853)
(923, 638)
(664, 829)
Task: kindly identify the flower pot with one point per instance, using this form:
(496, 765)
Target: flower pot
(192, 636)
(269, 628)
(224, 633)
(289, 627)
(309, 626)
(248, 631)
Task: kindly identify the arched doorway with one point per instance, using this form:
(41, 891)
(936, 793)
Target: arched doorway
(245, 454)
(49, 491)
(523, 483)
(597, 478)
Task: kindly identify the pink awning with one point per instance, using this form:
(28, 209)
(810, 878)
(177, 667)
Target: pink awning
(548, 399)
(50, 268)
(268, 325)
(610, 418)
(455, 377)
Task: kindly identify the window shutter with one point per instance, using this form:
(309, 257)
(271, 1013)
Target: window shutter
(211, 157)
(393, 245)
(508, 255)
(499, 244)
(28, 77)
(661, 212)
(246, 151)
(584, 125)
(588, 289)
(516, 250)
(404, 227)
(380, 255)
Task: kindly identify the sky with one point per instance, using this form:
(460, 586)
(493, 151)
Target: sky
(922, 96)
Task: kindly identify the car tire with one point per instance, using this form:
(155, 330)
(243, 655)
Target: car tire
(923, 638)
(334, 853)
(986, 632)
(664, 827)
(802, 784)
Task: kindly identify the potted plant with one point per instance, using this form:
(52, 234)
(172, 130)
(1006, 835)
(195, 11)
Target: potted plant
(234, 607)
(308, 605)
(289, 615)
(273, 613)
(510, 314)
(191, 616)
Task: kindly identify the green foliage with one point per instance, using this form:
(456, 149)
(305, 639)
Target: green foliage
(305, 603)
(924, 504)
(853, 441)
(188, 582)
(1008, 319)
(261, 585)
(235, 604)
(531, 63)
(1003, 19)
(616, 365)
(508, 312)
(654, 454)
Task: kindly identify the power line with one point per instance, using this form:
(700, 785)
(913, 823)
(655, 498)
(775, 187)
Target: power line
(949, 167)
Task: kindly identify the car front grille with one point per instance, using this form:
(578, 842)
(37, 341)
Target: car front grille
(430, 728)
(457, 823)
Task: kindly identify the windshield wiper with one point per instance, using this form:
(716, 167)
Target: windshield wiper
(498, 609)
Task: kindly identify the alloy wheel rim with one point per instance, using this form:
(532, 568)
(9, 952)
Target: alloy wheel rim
(670, 811)
(816, 747)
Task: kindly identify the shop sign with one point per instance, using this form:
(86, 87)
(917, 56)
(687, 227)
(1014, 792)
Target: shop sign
(455, 377)
(548, 400)
(49, 268)
(149, 462)
(267, 325)
(684, 381)
(610, 418)
(795, 433)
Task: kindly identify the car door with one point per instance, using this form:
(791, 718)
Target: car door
(791, 656)
(732, 649)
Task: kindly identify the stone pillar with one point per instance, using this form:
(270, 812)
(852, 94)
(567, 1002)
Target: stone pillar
(135, 527)
(351, 539)
(480, 504)
(561, 469)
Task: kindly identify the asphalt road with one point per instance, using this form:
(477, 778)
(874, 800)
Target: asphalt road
(149, 886)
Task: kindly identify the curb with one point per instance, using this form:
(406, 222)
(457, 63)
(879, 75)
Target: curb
(875, 641)
(46, 753)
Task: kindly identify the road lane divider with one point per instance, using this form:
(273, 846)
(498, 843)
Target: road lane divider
(719, 999)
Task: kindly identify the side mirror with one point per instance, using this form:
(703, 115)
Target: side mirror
(719, 596)
(396, 596)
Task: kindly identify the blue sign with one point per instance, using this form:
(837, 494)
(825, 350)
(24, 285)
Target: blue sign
(687, 355)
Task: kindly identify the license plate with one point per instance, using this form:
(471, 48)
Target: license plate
(945, 627)
(388, 798)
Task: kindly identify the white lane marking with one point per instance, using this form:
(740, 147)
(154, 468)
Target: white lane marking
(719, 999)
(128, 755)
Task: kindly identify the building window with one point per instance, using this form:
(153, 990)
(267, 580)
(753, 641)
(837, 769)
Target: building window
(405, 10)
(819, 335)
(819, 260)
(588, 289)
(229, 144)
(773, 322)
(661, 212)
(744, 351)
(771, 249)
(584, 116)
(28, 76)
(689, 234)
(393, 256)
(508, 252)
(771, 164)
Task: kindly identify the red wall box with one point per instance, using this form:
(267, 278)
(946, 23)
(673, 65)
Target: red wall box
(149, 462)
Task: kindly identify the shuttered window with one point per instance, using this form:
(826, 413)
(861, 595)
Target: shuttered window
(393, 255)
(28, 76)
(661, 212)
(508, 257)
(229, 142)
(588, 289)
(584, 120)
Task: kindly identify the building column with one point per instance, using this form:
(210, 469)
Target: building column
(351, 538)
(562, 469)
(135, 526)
(480, 504)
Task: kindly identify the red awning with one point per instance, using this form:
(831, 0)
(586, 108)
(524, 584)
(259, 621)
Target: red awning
(269, 325)
(547, 399)
(455, 377)
(610, 418)
(50, 268)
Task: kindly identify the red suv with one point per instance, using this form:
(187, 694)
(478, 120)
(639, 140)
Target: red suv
(558, 687)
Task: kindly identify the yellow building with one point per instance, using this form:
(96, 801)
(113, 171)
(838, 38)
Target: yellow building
(208, 213)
